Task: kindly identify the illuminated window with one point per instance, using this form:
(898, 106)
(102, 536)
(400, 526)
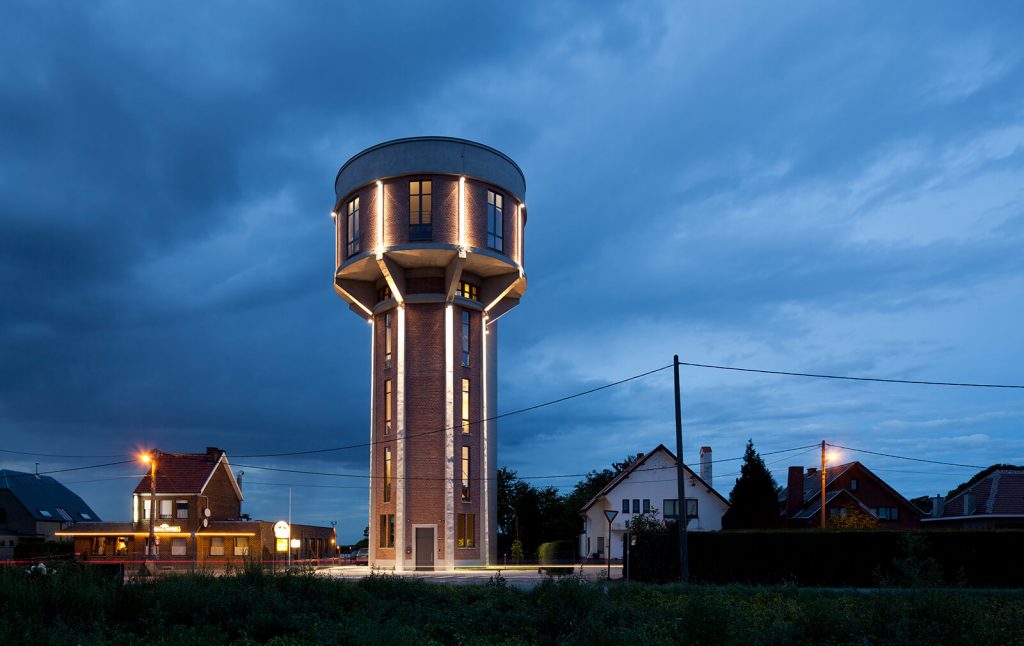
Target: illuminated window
(465, 530)
(465, 474)
(383, 293)
(242, 546)
(465, 338)
(386, 531)
(217, 546)
(387, 406)
(181, 509)
(387, 475)
(121, 546)
(469, 290)
(166, 507)
(352, 221)
(178, 547)
(495, 220)
(419, 210)
(465, 405)
(145, 508)
(387, 340)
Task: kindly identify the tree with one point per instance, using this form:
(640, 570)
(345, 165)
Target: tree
(755, 498)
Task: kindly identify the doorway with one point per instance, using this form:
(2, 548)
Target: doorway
(424, 548)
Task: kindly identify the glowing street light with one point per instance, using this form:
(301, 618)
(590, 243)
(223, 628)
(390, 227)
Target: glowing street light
(151, 459)
(826, 457)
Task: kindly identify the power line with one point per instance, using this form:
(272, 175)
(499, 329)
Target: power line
(875, 379)
(905, 457)
(44, 473)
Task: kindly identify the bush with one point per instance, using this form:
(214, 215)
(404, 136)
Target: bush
(554, 554)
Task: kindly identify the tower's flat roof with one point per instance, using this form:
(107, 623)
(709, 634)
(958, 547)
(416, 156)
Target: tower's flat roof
(430, 155)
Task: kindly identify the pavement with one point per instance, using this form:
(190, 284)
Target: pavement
(522, 577)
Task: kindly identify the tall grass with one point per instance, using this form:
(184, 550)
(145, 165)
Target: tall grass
(79, 605)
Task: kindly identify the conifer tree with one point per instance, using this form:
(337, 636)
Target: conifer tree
(755, 498)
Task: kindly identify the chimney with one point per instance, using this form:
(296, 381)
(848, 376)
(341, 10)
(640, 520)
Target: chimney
(794, 491)
(811, 471)
(213, 452)
(938, 506)
(705, 464)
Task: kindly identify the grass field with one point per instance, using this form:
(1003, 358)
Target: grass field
(82, 606)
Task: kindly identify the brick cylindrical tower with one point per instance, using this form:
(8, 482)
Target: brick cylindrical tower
(429, 249)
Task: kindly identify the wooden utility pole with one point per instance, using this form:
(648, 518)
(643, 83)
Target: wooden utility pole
(684, 564)
(823, 484)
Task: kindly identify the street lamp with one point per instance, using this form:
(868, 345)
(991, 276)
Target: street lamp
(831, 456)
(151, 459)
(610, 514)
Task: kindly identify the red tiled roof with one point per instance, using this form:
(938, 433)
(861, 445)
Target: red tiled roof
(181, 472)
(1001, 492)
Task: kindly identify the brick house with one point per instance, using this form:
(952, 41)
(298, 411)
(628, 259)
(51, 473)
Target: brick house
(995, 501)
(36, 507)
(850, 486)
(198, 521)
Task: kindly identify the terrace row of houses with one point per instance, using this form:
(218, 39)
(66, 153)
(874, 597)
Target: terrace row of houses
(194, 513)
(649, 483)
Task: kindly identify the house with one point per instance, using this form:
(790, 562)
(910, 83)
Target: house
(36, 507)
(848, 487)
(196, 520)
(995, 500)
(649, 483)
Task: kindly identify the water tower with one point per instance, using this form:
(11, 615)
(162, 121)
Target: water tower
(429, 250)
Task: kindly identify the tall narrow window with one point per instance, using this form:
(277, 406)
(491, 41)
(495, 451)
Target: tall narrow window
(387, 340)
(465, 535)
(465, 474)
(495, 220)
(387, 407)
(465, 338)
(465, 405)
(386, 531)
(387, 475)
(352, 227)
(419, 210)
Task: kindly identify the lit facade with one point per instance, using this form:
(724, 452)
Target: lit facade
(429, 250)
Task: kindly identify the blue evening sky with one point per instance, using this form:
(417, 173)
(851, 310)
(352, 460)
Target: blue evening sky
(811, 186)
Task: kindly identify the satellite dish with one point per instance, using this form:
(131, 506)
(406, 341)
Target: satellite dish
(206, 512)
(206, 522)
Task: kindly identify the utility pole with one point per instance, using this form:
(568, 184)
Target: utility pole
(684, 564)
(152, 506)
(823, 484)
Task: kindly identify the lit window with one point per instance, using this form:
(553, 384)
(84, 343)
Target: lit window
(387, 340)
(494, 220)
(217, 546)
(387, 406)
(465, 405)
(383, 293)
(386, 531)
(178, 547)
(625, 505)
(387, 475)
(121, 546)
(465, 474)
(181, 509)
(166, 508)
(465, 338)
(419, 210)
(353, 227)
(466, 530)
(469, 290)
(242, 546)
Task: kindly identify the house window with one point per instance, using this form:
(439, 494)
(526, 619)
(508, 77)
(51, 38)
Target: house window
(691, 509)
(625, 505)
(121, 546)
(894, 513)
(84, 516)
(353, 227)
(466, 530)
(419, 210)
(647, 505)
(465, 474)
(636, 505)
(242, 546)
(495, 220)
(178, 547)
(469, 290)
(600, 546)
(45, 514)
(145, 508)
(387, 406)
(387, 340)
(465, 338)
(853, 484)
(670, 507)
(465, 405)
(383, 293)
(181, 509)
(217, 546)
(386, 531)
(387, 475)
(166, 507)
(64, 514)
(99, 544)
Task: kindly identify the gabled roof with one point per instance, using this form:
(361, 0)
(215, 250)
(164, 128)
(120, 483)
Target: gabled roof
(999, 493)
(639, 462)
(45, 498)
(187, 473)
(812, 509)
(812, 489)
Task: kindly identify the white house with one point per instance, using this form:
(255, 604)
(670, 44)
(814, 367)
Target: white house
(650, 483)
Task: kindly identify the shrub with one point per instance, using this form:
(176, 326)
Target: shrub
(556, 557)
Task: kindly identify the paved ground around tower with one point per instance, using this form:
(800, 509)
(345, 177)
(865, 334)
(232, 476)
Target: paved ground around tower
(523, 579)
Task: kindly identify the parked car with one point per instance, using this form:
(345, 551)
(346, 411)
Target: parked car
(361, 556)
(345, 556)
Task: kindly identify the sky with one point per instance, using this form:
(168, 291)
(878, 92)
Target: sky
(828, 187)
